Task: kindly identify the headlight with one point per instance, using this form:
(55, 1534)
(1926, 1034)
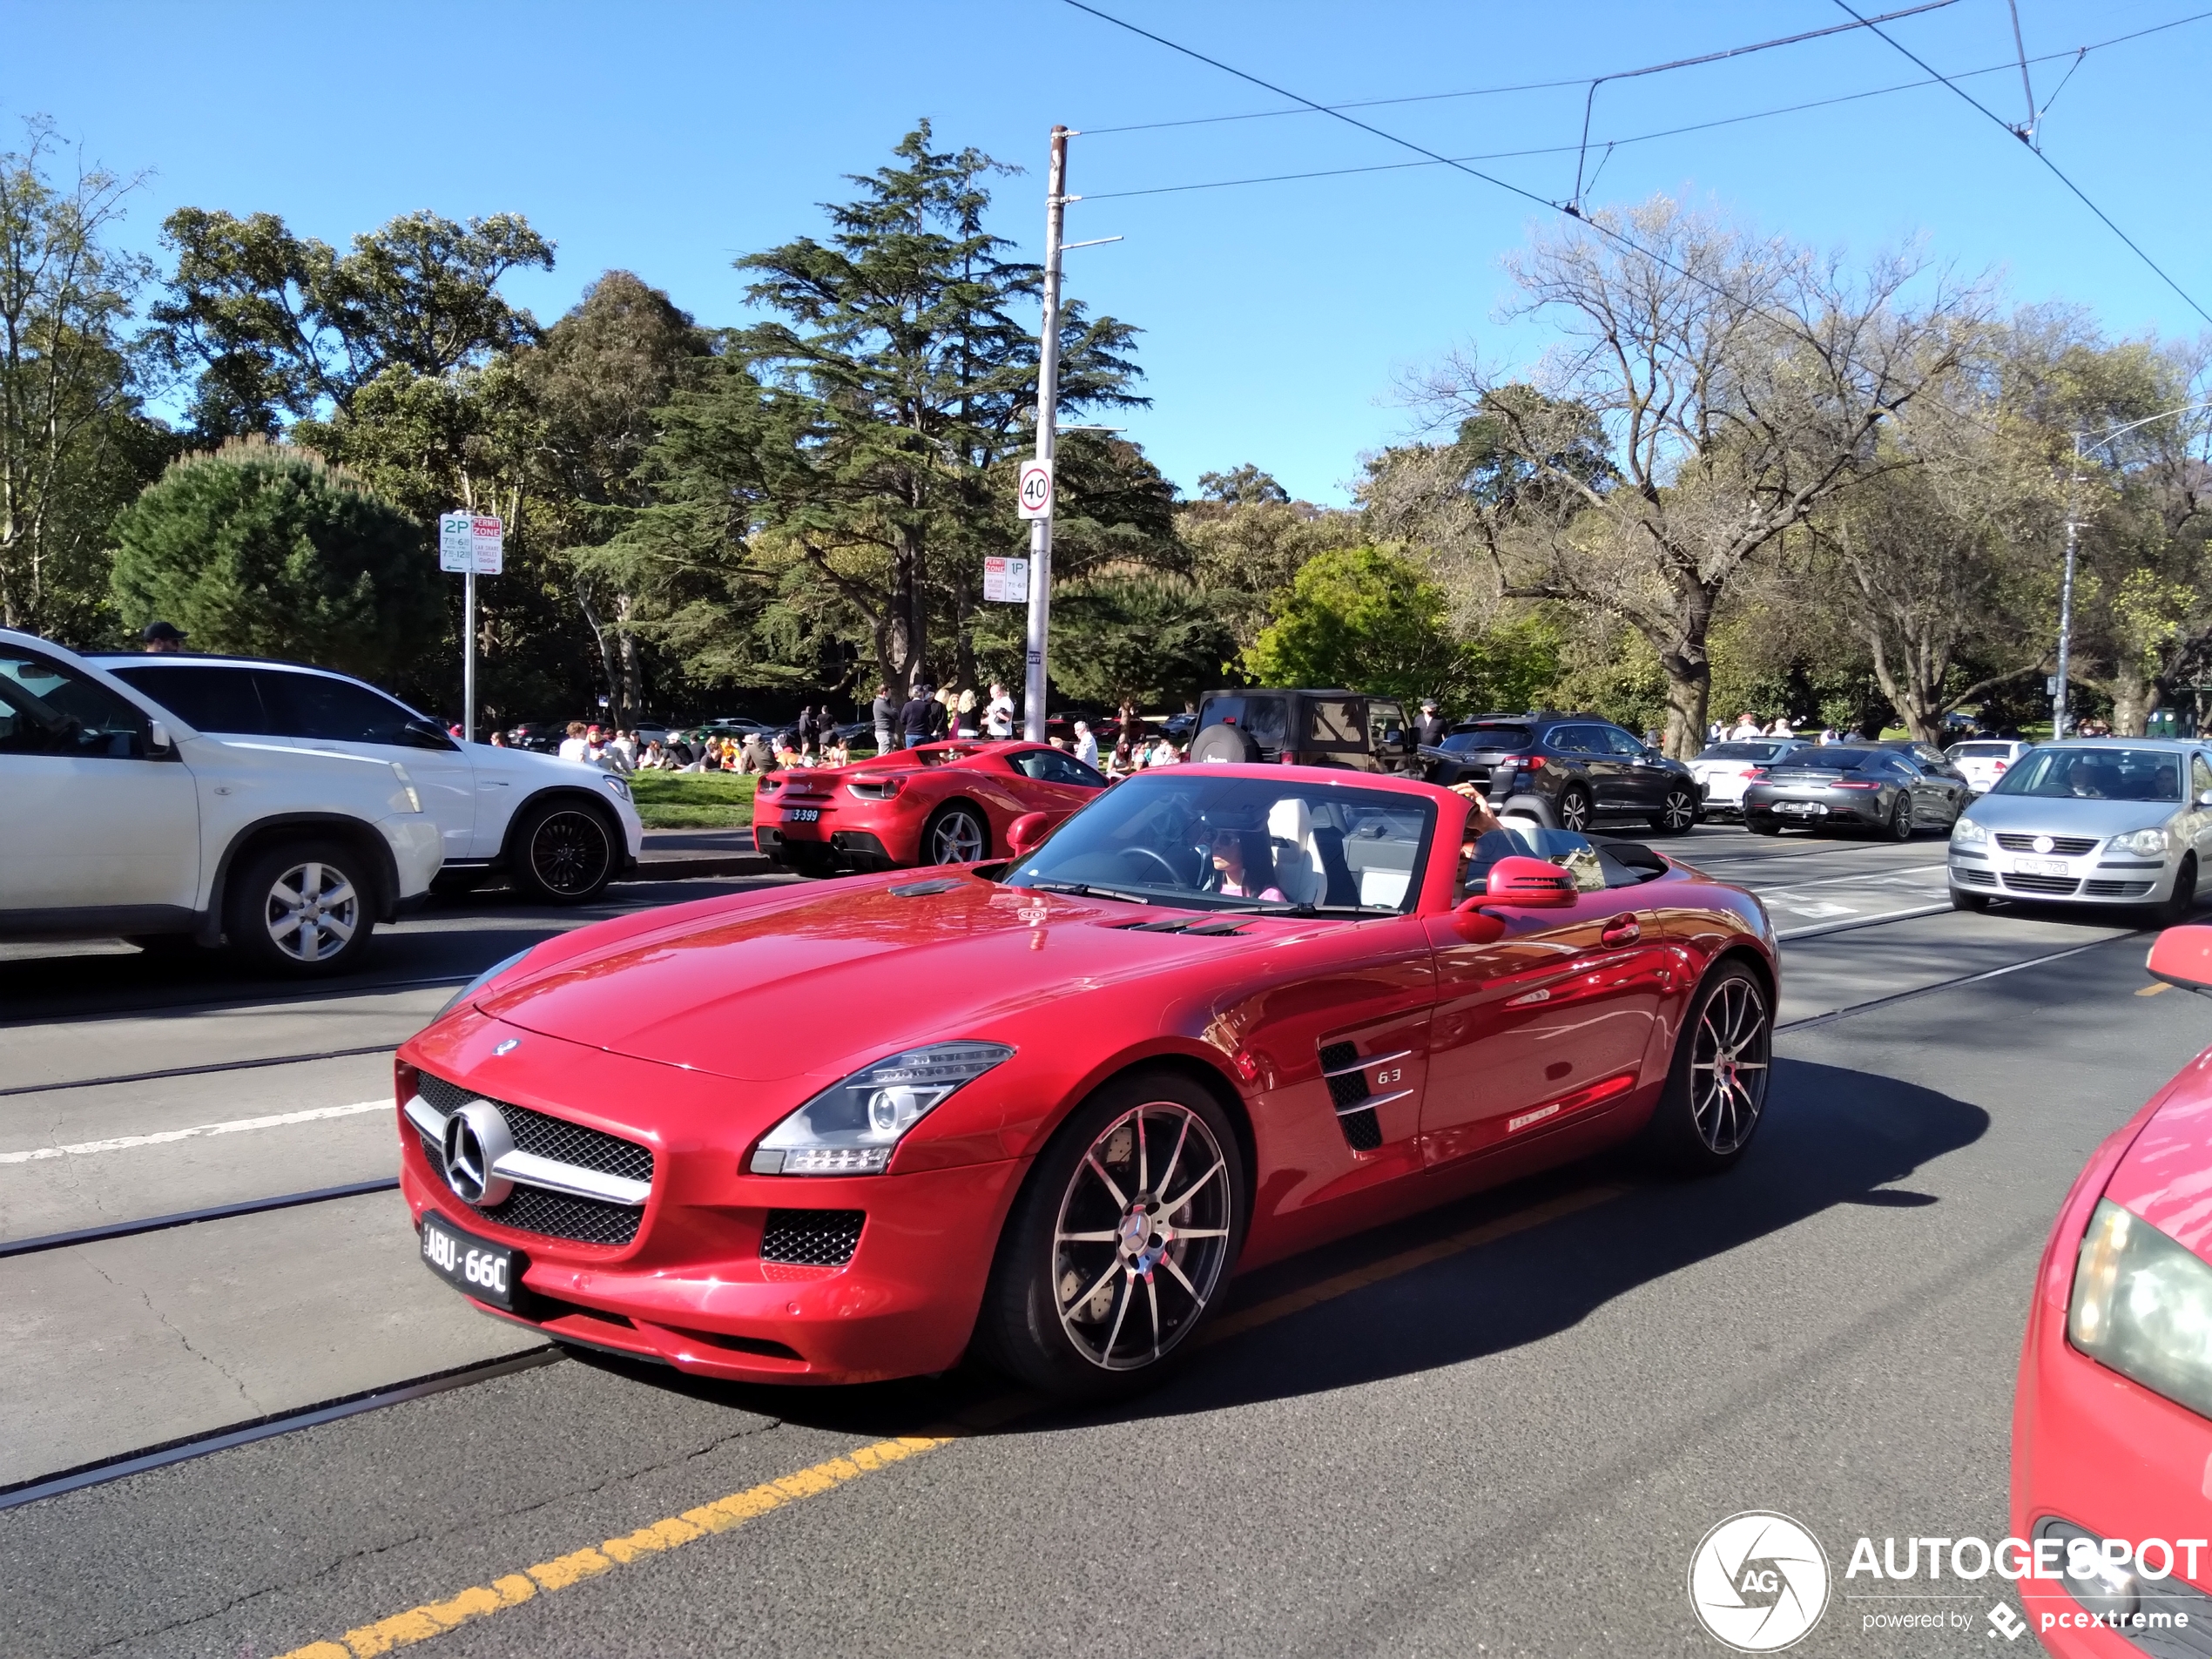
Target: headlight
(1967, 831)
(851, 1128)
(406, 788)
(2142, 1304)
(478, 984)
(2145, 844)
(620, 785)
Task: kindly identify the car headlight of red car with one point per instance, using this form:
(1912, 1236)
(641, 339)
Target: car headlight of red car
(851, 1128)
(2142, 1304)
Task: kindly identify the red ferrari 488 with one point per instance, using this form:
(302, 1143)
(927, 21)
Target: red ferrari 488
(1046, 1105)
(939, 803)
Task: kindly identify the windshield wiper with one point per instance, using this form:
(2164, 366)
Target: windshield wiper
(1084, 890)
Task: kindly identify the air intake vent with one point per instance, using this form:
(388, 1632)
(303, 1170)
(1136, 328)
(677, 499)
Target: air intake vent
(811, 1238)
(1346, 1071)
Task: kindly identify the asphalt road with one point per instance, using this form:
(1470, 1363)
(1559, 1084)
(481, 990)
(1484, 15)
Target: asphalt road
(1499, 1429)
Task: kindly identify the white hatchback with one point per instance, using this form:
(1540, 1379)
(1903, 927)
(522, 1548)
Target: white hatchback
(1986, 759)
(559, 830)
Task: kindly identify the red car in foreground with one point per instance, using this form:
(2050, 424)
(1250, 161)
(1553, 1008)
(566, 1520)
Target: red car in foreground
(939, 803)
(1049, 1105)
(2112, 1421)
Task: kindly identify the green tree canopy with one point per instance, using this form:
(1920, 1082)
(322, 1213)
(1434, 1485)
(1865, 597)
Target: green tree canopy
(1364, 617)
(267, 551)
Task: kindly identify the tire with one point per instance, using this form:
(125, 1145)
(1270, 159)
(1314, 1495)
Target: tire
(2181, 905)
(1712, 1108)
(1574, 809)
(1089, 1317)
(1961, 899)
(957, 832)
(563, 852)
(1900, 824)
(1219, 742)
(1677, 814)
(301, 909)
(1761, 825)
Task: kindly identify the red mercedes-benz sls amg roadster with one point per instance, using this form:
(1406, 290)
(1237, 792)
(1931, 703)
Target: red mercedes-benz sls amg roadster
(1046, 1106)
(939, 803)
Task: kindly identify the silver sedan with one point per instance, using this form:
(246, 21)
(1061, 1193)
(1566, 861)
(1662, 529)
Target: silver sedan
(2103, 821)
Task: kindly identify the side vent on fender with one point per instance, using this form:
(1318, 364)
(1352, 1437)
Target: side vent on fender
(1346, 1074)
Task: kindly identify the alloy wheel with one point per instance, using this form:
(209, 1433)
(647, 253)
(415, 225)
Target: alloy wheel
(1144, 1224)
(569, 851)
(1728, 1064)
(1574, 811)
(956, 838)
(1901, 820)
(312, 911)
(1677, 811)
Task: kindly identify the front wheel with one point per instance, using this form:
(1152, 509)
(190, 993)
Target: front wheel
(1716, 1086)
(1574, 808)
(303, 909)
(1961, 899)
(563, 852)
(1122, 1239)
(2182, 903)
(1677, 814)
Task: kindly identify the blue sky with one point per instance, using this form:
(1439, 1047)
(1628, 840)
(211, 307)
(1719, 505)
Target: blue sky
(1278, 318)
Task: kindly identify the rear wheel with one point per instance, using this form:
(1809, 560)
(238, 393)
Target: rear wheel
(1122, 1239)
(1677, 814)
(563, 852)
(1716, 1087)
(2182, 904)
(1900, 824)
(957, 833)
(303, 908)
(1574, 808)
(1761, 825)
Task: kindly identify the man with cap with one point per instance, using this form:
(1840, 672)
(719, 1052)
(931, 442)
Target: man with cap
(1430, 728)
(163, 637)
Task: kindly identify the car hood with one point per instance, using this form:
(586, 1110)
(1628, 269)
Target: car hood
(2165, 1177)
(527, 767)
(850, 972)
(2065, 815)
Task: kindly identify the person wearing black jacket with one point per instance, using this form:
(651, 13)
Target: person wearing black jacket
(1429, 730)
(918, 719)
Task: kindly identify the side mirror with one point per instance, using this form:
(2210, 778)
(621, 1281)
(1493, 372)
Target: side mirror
(1026, 833)
(157, 739)
(1519, 882)
(2182, 956)
(2205, 799)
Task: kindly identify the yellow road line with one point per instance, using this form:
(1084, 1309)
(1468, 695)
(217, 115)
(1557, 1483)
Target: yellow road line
(2154, 990)
(435, 1618)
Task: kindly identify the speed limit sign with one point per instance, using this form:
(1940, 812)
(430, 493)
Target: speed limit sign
(1036, 489)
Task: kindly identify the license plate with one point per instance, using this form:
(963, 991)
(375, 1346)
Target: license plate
(802, 814)
(488, 1272)
(1802, 808)
(2039, 866)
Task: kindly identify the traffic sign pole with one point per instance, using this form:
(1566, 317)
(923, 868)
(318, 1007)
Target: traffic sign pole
(1033, 683)
(471, 544)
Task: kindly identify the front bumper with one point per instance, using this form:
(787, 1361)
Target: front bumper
(1990, 870)
(418, 850)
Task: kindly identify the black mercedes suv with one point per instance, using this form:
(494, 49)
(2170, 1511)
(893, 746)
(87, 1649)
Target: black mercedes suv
(1569, 771)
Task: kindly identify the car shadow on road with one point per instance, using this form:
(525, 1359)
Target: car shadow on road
(1834, 1135)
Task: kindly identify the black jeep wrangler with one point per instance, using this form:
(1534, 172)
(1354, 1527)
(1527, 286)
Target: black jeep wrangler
(1307, 728)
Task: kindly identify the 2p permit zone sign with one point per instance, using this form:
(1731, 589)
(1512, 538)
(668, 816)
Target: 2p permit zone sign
(471, 542)
(1035, 497)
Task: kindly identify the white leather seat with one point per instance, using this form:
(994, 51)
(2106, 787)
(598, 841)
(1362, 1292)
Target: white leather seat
(1298, 872)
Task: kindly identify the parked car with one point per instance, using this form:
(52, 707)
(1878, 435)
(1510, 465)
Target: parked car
(940, 803)
(1050, 1108)
(1983, 761)
(1856, 786)
(1565, 770)
(118, 817)
(2091, 820)
(557, 830)
(1305, 727)
(538, 737)
(1722, 768)
(2112, 1414)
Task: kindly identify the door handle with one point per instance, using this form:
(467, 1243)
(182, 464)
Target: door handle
(1622, 930)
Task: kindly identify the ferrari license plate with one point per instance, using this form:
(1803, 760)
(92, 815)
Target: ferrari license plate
(2039, 866)
(802, 814)
(486, 1271)
(1802, 808)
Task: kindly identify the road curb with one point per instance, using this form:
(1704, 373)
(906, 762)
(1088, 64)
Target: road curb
(685, 869)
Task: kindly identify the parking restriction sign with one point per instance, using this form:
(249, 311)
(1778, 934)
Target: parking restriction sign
(1036, 489)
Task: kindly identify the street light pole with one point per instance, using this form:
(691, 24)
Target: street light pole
(1033, 684)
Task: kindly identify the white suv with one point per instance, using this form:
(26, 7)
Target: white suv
(117, 819)
(560, 830)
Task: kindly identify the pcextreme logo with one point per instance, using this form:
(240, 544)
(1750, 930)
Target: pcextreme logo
(1758, 1582)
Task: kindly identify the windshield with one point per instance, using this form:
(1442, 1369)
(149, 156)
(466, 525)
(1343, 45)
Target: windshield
(1486, 737)
(1741, 751)
(1186, 838)
(2095, 774)
(1981, 751)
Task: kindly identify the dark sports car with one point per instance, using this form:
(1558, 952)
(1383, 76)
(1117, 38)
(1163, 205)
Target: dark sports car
(1888, 792)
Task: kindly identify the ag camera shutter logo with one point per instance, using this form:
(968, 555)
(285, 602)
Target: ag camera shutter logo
(1758, 1582)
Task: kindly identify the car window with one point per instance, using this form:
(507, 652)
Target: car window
(1896, 766)
(2200, 775)
(1824, 757)
(48, 709)
(1051, 767)
(1620, 742)
(1495, 736)
(1266, 721)
(1334, 723)
(206, 699)
(334, 711)
(1574, 740)
(2095, 774)
(1385, 724)
(1186, 835)
(1981, 751)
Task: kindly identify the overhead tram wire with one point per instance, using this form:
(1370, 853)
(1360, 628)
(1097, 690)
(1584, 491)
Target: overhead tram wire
(2078, 54)
(2081, 195)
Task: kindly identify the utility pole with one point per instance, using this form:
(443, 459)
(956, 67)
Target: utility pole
(2065, 594)
(1033, 684)
(468, 656)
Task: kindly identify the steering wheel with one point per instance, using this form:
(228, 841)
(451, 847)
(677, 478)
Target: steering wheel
(1175, 878)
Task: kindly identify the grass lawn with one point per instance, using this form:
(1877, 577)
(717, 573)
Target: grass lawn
(693, 800)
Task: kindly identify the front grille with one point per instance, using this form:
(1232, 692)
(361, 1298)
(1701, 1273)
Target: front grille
(2055, 886)
(2116, 889)
(2072, 847)
(1976, 878)
(811, 1238)
(534, 1210)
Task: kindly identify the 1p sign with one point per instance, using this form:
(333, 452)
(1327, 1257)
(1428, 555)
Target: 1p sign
(1036, 489)
(1006, 581)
